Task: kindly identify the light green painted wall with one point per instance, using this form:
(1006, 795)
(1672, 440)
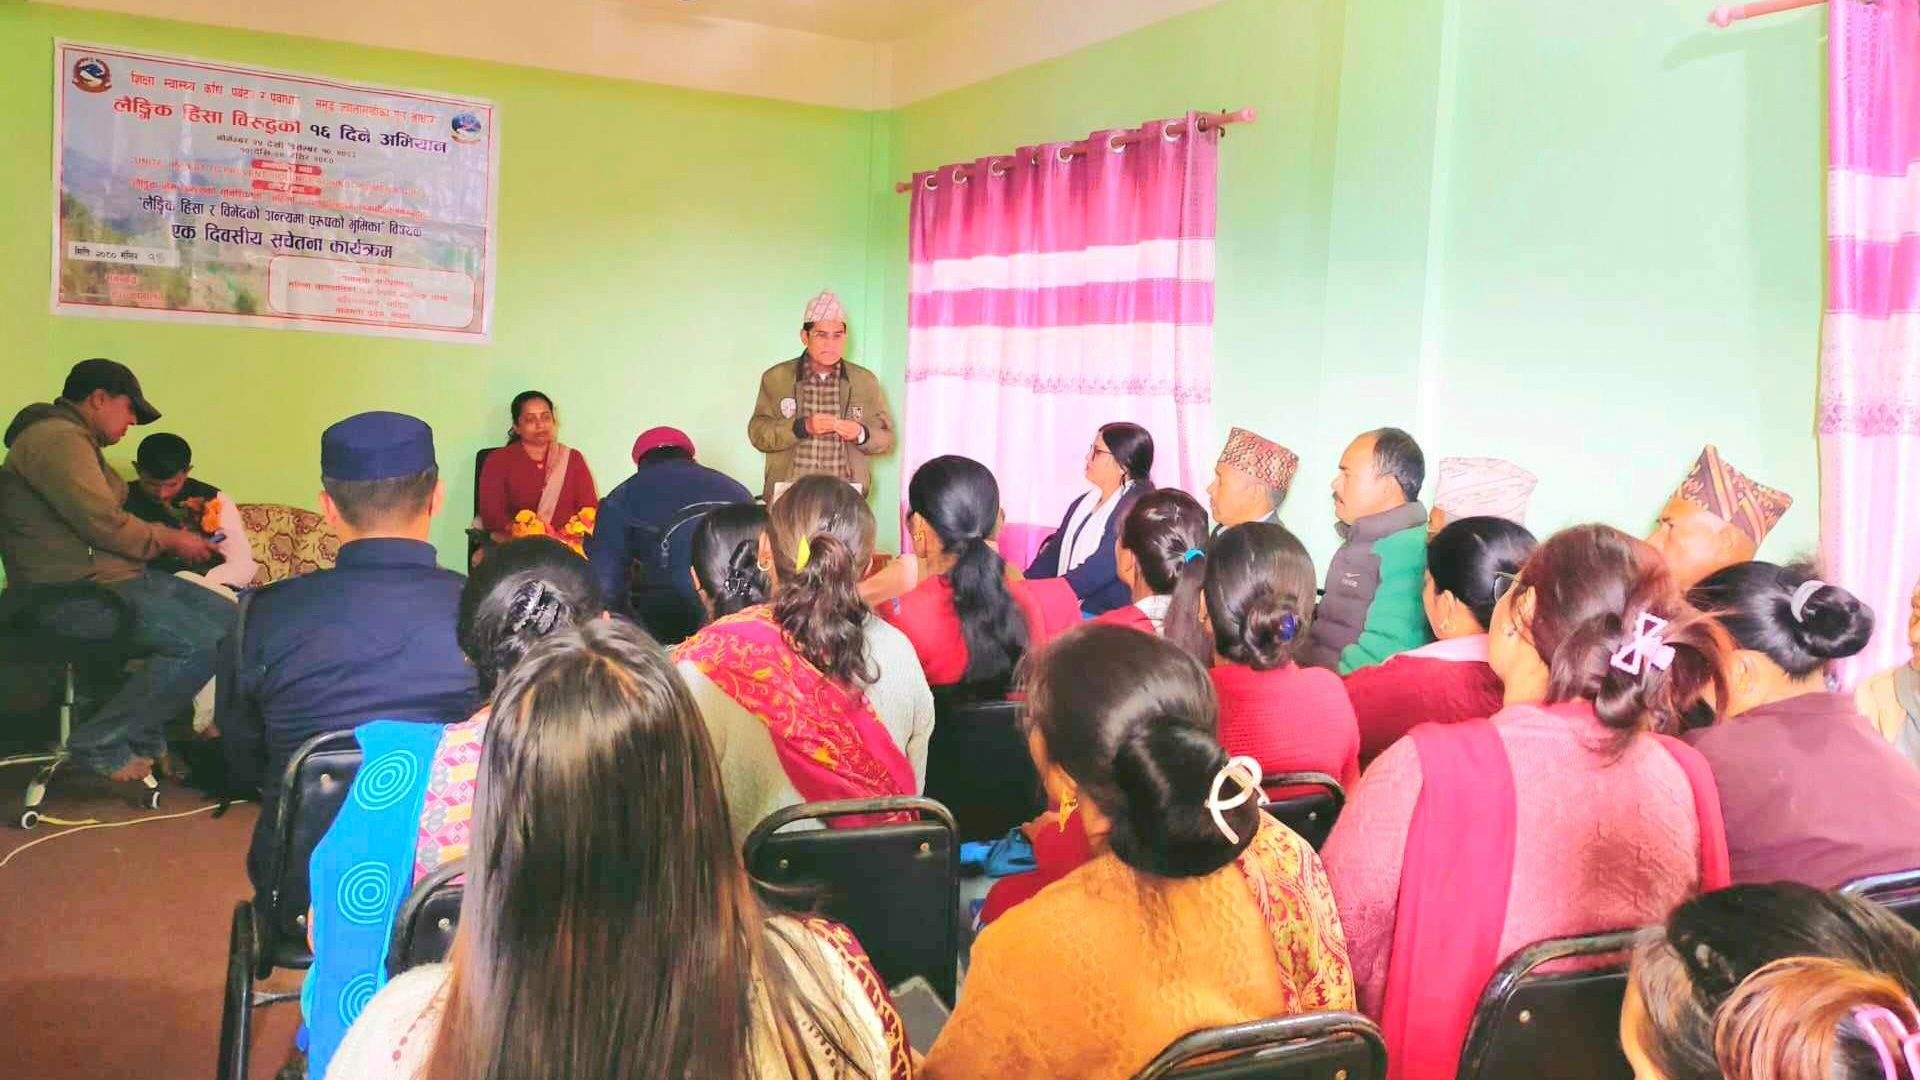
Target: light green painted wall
(657, 249)
(1584, 237)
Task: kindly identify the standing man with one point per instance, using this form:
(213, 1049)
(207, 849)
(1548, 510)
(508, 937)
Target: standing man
(1717, 517)
(1250, 479)
(819, 412)
(1372, 608)
(63, 520)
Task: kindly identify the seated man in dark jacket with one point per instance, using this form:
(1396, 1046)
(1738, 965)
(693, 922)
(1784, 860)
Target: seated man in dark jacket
(371, 639)
(651, 517)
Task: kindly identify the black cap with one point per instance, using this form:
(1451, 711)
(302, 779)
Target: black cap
(113, 377)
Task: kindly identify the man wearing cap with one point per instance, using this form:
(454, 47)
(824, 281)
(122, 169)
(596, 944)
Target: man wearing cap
(373, 638)
(1479, 487)
(650, 517)
(819, 412)
(1250, 479)
(1717, 517)
(62, 520)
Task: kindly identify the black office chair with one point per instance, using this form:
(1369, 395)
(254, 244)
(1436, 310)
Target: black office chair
(1898, 892)
(1560, 1025)
(1311, 1046)
(1309, 813)
(312, 789)
(978, 765)
(423, 928)
(84, 629)
(896, 886)
(478, 537)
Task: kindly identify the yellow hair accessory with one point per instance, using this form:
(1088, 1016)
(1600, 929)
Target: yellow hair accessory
(801, 553)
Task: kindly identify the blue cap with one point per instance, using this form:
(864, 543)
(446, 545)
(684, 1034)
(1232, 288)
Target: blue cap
(376, 446)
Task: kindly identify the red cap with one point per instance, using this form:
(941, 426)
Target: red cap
(655, 438)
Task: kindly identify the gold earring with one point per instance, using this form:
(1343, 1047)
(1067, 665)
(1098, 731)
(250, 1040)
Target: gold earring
(1068, 804)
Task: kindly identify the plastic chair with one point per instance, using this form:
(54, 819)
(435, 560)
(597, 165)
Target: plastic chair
(423, 929)
(978, 765)
(896, 886)
(1309, 813)
(1898, 892)
(316, 782)
(1560, 1025)
(1311, 1046)
(85, 629)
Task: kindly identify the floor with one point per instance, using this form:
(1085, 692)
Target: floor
(113, 941)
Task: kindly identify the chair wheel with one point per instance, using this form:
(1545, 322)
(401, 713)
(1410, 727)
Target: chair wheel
(150, 800)
(29, 818)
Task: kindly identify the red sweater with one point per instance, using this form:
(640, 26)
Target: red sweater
(510, 482)
(925, 615)
(1289, 719)
(1390, 699)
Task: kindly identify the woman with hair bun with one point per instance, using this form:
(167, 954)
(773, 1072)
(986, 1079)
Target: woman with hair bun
(726, 547)
(1259, 601)
(1793, 759)
(1566, 812)
(1161, 555)
(533, 471)
(1119, 465)
(1196, 910)
(811, 697)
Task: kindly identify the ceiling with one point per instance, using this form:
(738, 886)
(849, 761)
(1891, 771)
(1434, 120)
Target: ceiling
(855, 20)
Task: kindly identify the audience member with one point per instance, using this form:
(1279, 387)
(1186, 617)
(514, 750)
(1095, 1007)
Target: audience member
(812, 697)
(1716, 518)
(1197, 910)
(967, 622)
(63, 520)
(1478, 819)
(373, 638)
(726, 548)
(1250, 480)
(526, 590)
(643, 533)
(1470, 563)
(820, 413)
(1792, 761)
(1797, 960)
(1372, 605)
(1479, 487)
(1891, 699)
(165, 495)
(1119, 464)
(1160, 555)
(1259, 602)
(533, 471)
(609, 928)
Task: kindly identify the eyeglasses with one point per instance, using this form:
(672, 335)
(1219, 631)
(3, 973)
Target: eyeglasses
(1502, 581)
(1096, 451)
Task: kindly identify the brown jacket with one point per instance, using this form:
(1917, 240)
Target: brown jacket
(772, 428)
(61, 505)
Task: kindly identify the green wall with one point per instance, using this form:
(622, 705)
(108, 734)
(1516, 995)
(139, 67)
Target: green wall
(1586, 238)
(657, 249)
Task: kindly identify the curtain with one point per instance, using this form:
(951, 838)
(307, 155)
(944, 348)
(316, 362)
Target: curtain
(1869, 414)
(1049, 295)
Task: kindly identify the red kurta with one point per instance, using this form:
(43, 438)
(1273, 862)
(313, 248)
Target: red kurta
(511, 481)
(1390, 699)
(1289, 719)
(925, 614)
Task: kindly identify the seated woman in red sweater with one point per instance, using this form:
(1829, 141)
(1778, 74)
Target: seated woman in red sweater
(1159, 554)
(534, 471)
(967, 622)
(1469, 564)
(1259, 602)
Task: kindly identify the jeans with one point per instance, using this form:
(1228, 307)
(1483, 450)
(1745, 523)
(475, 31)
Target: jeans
(177, 629)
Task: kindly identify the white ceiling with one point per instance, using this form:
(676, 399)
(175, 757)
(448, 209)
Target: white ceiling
(853, 20)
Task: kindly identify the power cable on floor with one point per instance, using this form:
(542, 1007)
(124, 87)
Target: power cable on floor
(99, 825)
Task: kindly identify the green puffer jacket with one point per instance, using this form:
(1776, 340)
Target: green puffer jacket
(1372, 608)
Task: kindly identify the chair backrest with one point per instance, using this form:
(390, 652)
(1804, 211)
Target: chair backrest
(1898, 892)
(1311, 1046)
(978, 765)
(1557, 1025)
(423, 928)
(287, 541)
(1307, 802)
(316, 782)
(896, 886)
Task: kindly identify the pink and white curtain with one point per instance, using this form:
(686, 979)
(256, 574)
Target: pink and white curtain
(1052, 293)
(1870, 352)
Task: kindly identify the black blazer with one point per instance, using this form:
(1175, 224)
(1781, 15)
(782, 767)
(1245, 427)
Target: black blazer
(1097, 581)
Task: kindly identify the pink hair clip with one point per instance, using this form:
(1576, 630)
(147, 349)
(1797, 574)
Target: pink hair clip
(1909, 1041)
(1647, 645)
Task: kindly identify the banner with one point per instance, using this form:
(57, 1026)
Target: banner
(193, 191)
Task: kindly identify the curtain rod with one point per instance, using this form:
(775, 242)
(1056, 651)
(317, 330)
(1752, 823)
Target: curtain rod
(1727, 14)
(1114, 142)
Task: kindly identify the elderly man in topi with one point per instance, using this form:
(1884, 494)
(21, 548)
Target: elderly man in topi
(1250, 479)
(1717, 517)
(820, 412)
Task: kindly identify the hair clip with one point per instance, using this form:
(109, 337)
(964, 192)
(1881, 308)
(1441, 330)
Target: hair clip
(534, 604)
(801, 553)
(1245, 771)
(1909, 1040)
(1192, 554)
(1289, 626)
(1798, 605)
(1646, 645)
